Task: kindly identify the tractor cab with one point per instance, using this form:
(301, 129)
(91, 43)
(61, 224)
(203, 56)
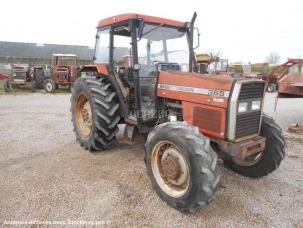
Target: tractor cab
(207, 64)
(136, 48)
(64, 71)
(64, 68)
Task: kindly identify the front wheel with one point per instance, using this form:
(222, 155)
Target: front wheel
(261, 164)
(181, 166)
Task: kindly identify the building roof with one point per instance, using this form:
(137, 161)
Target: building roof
(124, 17)
(43, 51)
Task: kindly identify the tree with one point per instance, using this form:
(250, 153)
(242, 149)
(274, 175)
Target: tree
(273, 58)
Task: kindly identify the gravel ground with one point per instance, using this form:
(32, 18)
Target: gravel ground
(45, 175)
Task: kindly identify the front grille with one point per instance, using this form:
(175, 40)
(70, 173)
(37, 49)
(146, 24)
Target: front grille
(207, 119)
(249, 123)
(251, 91)
(62, 75)
(20, 75)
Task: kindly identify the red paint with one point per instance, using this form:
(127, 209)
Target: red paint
(132, 16)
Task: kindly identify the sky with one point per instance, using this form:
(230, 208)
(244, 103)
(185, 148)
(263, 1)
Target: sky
(241, 30)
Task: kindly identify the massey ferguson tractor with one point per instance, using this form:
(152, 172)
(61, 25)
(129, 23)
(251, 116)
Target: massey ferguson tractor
(63, 72)
(189, 117)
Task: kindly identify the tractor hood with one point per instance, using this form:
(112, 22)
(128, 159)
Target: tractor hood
(207, 89)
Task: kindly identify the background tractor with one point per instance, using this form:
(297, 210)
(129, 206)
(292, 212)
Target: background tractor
(22, 75)
(143, 77)
(212, 64)
(63, 71)
(288, 78)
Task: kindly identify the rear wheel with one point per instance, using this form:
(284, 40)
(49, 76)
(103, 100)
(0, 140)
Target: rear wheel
(39, 79)
(95, 113)
(181, 167)
(49, 86)
(261, 164)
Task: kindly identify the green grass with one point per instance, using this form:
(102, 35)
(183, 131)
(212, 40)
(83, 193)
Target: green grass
(1, 87)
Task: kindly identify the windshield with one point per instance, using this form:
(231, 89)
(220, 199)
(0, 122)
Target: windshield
(62, 60)
(160, 44)
(102, 47)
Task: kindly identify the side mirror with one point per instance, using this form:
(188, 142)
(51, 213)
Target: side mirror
(196, 40)
(140, 28)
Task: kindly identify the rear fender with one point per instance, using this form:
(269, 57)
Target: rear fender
(100, 68)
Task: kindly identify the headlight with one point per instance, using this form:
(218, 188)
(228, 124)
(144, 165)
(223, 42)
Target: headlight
(242, 107)
(256, 105)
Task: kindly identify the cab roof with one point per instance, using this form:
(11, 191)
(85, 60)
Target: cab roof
(132, 16)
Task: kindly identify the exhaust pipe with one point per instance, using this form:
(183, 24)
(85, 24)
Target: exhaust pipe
(191, 41)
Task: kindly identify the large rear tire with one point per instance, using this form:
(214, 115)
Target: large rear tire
(269, 160)
(181, 166)
(95, 113)
(39, 79)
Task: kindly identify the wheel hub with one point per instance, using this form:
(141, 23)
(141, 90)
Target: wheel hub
(49, 86)
(87, 115)
(171, 167)
(84, 116)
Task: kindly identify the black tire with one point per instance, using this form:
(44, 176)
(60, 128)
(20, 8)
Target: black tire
(104, 110)
(6, 86)
(70, 87)
(34, 86)
(201, 161)
(272, 156)
(39, 79)
(49, 86)
(271, 88)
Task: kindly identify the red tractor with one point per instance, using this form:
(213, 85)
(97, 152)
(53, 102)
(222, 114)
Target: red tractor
(23, 75)
(208, 64)
(19, 76)
(63, 72)
(188, 116)
(287, 78)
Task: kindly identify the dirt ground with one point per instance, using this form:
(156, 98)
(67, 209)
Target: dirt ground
(46, 176)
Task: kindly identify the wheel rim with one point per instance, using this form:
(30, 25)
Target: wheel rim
(49, 86)
(249, 161)
(84, 115)
(170, 169)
